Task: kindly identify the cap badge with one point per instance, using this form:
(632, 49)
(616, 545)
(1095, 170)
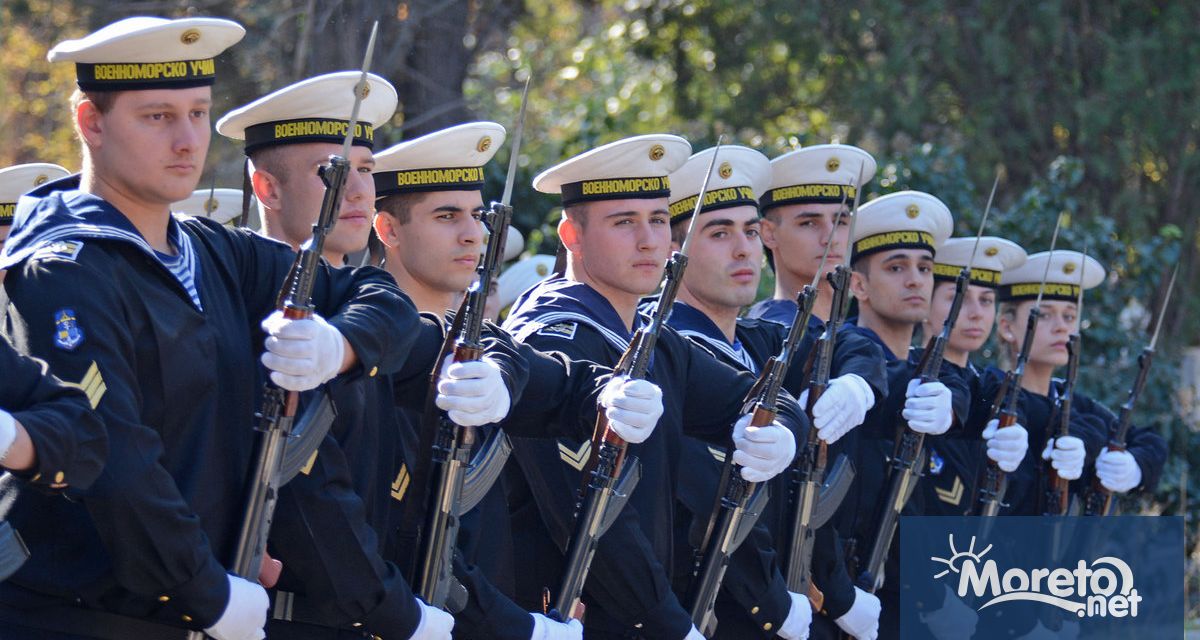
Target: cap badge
(912, 211)
(542, 269)
(211, 205)
(657, 152)
(991, 251)
(41, 179)
(725, 171)
(1069, 268)
(832, 164)
(485, 143)
(190, 36)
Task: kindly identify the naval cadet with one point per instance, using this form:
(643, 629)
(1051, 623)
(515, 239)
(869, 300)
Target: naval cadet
(144, 309)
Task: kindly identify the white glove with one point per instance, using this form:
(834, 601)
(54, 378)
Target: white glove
(302, 354)
(245, 614)
(842, 407)
(799, 619)
(1117, 470)
(435, 624)
(546, 629)
(1006, 447)
(1067, 454)
(633, 407)
(472, 393)
(763, 452)
(862, 620)
(8, 432)
(927, 408)
(954, 620)
(694, 634)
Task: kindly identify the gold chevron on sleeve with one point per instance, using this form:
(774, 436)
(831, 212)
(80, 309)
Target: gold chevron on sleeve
(717, 454)
(577, 458)
(92, 385)
(953, 495)
(400, 484)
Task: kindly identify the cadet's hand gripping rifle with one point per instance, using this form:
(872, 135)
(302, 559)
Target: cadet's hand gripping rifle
(608, 481)
(1099, 499)
(1055, 495)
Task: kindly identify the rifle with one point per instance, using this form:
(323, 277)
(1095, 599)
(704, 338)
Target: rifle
(460, 482)
(994, 482)
(279, 406)
(909, 456)
(608, 481)
(13, 552)
(811, 500)
(739, 502)
(1099, 499)
(1055, 494)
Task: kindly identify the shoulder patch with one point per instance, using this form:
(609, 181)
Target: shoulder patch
(61, 250)
(576, 458)
(561, 330)
(67, 333)
(936, 462)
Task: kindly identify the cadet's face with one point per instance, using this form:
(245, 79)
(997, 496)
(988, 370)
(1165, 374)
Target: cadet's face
(725, 259)
(798, 236)
(975, 318)
(302, 192)
(443, 239)
(150, 145)
(624, 244)
(1057, 321)
(899, 284)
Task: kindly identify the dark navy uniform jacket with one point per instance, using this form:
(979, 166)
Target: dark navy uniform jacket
(628, 590)
(753, 580)
(170, 361)
(68, 437)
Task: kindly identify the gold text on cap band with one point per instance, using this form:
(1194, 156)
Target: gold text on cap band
(714, 199)
(894, 240)
(124, 76)
(982, 277)
(615, 189)
(444, 179)
(809, 194)
(307, 130)
(7, 211)
(1029, 290)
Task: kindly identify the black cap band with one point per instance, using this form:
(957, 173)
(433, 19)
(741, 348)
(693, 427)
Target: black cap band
(809, 194)
(132, 76)
(279, 132)
(724, 198)
(893, 240)
(1029, 291)
(981, 277)
(615, 189)
(424, 180)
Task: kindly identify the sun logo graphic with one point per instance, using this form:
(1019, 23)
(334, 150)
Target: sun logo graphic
(1103, 588)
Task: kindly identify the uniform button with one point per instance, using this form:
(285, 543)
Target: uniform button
(38, 476)
(356, 625)
(164, 598)
(767, 626)
(754, 611)
(374, 370)
(186, 618)
(59, 477)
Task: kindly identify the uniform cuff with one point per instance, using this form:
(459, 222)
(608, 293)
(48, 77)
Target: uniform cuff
(397, 616)
(667, 619)
(199, 602)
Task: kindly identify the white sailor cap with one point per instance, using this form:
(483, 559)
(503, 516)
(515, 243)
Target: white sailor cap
(312, 110)
(221, 205)
(819, 174)
(447, 160)
(901, 220)
(739, 177)
(514, 243)
(993, 257)
(634, 167)
(20, 179)
(149, 53)
(1067, 271)
(522, 275)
